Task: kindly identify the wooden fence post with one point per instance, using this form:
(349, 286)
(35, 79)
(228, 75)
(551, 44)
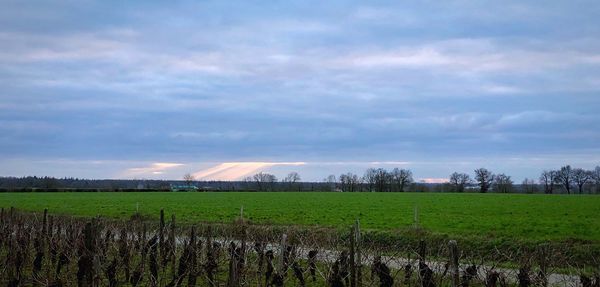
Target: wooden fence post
(161, 245)
(11, 214)
(355, 260)
(243, 246)
(453, 248)
(45, 222)
(161, 232)
(49, 236)
(210, 266)
(543, 262)
(358, 255)
(173, 247)
(193, 272)
(352, 254)
(232, 279)
(280, 266)
(86, 260)
(422, 250)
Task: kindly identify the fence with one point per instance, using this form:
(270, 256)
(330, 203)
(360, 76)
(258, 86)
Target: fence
(46, 250)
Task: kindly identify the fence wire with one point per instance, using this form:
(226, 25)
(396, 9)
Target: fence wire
(38, 249)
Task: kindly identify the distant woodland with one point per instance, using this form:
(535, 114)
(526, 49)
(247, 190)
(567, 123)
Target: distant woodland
(566, 180)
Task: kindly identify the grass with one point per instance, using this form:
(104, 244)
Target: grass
(529, 218)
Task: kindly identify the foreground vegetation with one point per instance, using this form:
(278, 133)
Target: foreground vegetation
(42, 249)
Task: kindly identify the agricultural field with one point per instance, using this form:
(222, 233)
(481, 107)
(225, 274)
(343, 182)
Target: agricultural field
(528, 218)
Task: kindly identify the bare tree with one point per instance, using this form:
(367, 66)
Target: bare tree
(459, 181)
(349, 182)
(248, 182)
(370, 178)
(344, 185)
(581, 177)
(331, 182)
(382, 180)
(401, 178)
(596, 176)
(189, 179)
(264, 181)
(354, 181)
(484, 179)
(549, 178)
(565, 177)
(291, 179)
(503, 183)
(529, 186)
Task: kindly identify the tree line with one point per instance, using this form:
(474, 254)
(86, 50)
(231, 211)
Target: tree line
(566, 180)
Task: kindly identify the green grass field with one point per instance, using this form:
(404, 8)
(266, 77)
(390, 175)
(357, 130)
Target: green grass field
(501, 216)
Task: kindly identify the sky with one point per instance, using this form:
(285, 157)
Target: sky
(225, 89)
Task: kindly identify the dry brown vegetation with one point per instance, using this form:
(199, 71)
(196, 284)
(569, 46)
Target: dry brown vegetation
(39, 249)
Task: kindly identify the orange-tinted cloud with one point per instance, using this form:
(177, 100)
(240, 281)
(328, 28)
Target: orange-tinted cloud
(237, 170)
(434, 180)
(153, 169)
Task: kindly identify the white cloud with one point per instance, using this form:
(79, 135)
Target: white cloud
(530, 117)
(458, 55)
(220, 135)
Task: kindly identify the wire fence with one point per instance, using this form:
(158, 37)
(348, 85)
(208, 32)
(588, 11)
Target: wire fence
(39, 249)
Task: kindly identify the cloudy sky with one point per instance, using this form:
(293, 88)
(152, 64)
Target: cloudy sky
(141, 89)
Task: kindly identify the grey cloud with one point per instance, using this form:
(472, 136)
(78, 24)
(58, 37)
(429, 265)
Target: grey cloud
(231, 81)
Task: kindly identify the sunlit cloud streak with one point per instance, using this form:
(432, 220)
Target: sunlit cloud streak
(433, 180)
(156, 168)
(238, 170)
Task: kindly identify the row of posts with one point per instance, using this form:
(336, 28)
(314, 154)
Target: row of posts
(355, 249)
(356, 264)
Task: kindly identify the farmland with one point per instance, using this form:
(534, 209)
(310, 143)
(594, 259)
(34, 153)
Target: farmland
(529, 218)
